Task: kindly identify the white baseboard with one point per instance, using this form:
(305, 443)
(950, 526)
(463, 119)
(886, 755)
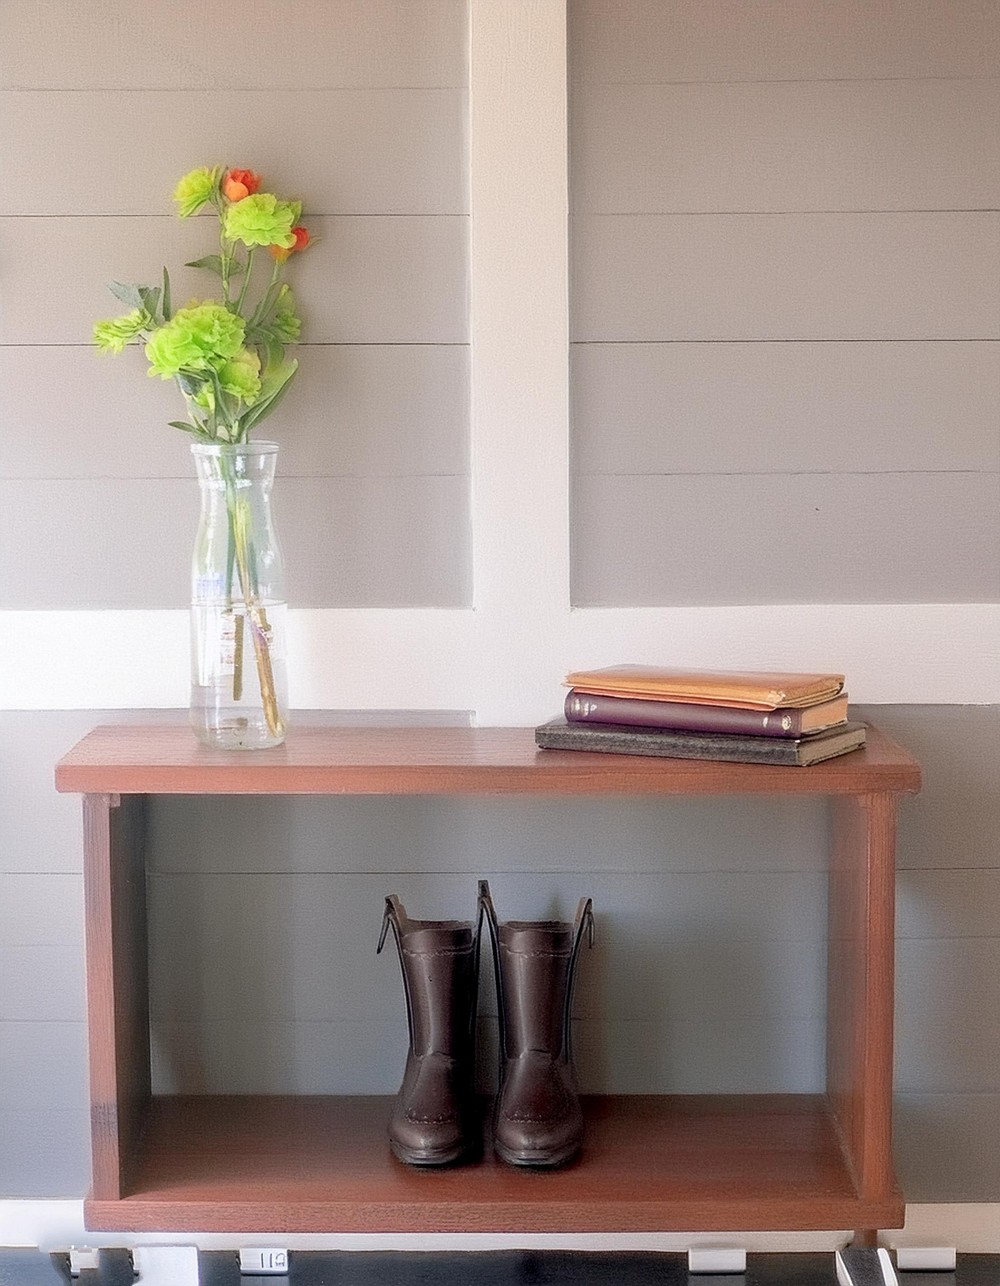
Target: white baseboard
(55, 1225)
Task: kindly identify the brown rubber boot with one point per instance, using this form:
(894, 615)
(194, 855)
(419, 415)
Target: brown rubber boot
(434, 1120)
(538, 1120)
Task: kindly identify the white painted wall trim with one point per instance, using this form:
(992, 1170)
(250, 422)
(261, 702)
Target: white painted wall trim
(57, 1225)
(507, 670)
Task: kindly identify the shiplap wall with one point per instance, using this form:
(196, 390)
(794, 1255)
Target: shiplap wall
(357, 108)
(678, 910)
(785, 305)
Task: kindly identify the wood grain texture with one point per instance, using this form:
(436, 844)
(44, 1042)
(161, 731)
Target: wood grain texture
(117, 988)
(313, 1163)
(167, 759)
(860, 985)
(649, 1164)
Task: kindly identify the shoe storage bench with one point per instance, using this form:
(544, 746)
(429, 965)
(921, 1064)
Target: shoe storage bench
(649, 1163)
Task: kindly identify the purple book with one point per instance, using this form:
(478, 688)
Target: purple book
(690, 716)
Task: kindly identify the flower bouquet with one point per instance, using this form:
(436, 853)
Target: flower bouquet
(227, 355)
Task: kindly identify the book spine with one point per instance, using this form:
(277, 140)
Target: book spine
(686, 716)
(622, 740)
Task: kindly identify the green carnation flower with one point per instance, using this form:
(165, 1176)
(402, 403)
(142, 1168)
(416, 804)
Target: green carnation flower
(241, 376)
(262, 220)
(112, 336)
(202, 337)
(195, 190)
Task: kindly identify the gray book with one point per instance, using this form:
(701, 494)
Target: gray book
(671, 743)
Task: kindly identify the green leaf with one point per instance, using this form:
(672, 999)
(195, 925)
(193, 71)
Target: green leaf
(214, 264)
(273, 388)
(166, 296)
(127, 293)
(183, 426)
(191, 384)
(150, 296)
(275, 353)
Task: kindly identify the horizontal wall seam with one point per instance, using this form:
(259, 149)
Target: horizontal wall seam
(792, 339)
(306, 214)
(581, 81)
(242, 88)
(320, 343)
(751, 213)
(736, 214)
(780, 473)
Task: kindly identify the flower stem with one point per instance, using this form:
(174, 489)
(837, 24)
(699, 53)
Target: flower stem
(246, 281)
(256, 616)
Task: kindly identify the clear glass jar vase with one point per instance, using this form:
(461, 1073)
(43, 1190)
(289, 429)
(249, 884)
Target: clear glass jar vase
(239, 695)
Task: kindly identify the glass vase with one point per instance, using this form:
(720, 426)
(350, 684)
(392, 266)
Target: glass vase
(238, 673)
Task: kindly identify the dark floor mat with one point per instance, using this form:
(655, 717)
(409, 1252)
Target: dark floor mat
(489, 1268)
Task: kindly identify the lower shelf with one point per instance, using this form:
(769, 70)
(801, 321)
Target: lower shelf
(320, 1164)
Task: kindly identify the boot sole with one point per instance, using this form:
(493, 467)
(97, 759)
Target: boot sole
(451, 1157)
(536, 1161)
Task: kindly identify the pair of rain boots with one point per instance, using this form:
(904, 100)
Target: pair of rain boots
(537, 1120)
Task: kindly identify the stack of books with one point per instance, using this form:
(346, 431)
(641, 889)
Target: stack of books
(758, 717)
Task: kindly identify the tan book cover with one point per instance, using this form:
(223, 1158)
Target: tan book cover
(744, 689)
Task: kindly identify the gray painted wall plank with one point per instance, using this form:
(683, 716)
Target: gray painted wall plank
(945, 1146)
(378, 410)
(927, 275)
(188, 834)
(276, 1057)
(41, 909)
(43, 1065)
(941, 1044)
(384, 151)
(794, 145)
(46, 1153)
(955, 823)
(41, 983)
(755, 1056)
(721, 40)
(319, 43)
(762, 407)
(389, 279)
(346, 542)
(302, 946)
(950, 904)
(633, 1057)
(811, 538)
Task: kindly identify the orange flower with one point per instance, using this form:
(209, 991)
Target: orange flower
(301, 236)
(239, 184)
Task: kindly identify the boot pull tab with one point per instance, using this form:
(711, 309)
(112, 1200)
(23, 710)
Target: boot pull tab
(487, 909)
(392, 914)
(584, 924)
